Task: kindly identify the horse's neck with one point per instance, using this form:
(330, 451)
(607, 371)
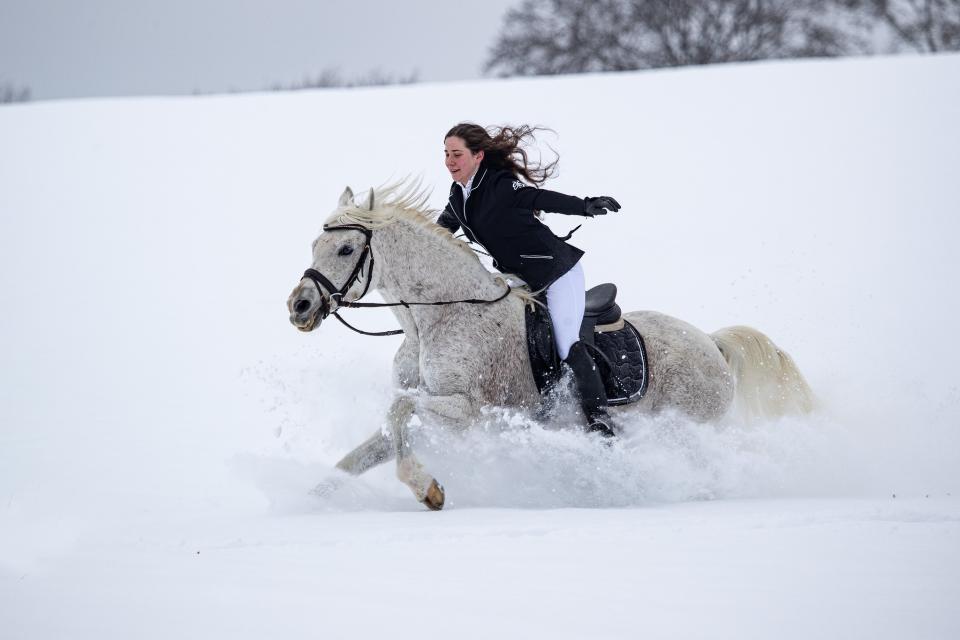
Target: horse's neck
(418, 265)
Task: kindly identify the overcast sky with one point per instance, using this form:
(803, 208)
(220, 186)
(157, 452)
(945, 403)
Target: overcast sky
(73, 48)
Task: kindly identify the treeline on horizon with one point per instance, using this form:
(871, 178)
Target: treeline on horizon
(544, 37)
(548, 37)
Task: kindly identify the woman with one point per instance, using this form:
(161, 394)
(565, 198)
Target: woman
(491, 200)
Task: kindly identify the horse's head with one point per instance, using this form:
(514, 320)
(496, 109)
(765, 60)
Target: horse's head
(338, 274)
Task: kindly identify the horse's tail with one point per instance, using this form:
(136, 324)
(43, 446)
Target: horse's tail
(769, 384)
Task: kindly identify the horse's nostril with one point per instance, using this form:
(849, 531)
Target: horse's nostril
(301, 306)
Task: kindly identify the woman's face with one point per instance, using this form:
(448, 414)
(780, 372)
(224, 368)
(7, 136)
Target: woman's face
(461, 163)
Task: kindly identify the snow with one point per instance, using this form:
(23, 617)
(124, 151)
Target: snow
(162, 425)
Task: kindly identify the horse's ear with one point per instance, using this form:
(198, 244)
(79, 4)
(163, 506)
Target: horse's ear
(346, 198)
(368, 205)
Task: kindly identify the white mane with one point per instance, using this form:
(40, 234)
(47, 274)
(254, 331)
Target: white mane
(406, 198)
(406, 201)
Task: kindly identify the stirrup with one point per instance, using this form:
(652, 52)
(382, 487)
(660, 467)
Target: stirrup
(602, 424)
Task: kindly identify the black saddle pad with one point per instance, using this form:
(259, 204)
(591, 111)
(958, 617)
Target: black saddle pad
(622, 359)
(620, 355)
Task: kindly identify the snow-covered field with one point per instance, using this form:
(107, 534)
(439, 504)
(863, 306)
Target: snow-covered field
(162, 424)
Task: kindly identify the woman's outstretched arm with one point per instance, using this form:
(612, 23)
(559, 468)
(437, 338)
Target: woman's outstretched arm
(523, 196)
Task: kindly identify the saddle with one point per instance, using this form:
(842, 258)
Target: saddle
(615, 344)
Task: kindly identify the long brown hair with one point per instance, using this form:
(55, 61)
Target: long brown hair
(503, 148)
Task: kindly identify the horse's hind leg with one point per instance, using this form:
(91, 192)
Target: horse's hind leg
(376, 450)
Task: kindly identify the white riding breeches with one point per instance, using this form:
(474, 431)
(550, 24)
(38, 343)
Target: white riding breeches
(566, 299)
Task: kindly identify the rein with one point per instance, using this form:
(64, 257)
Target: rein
(322, 282)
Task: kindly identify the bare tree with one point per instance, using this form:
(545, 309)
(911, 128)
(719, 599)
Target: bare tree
(543, 37)
(690, 32)
(923, 25)
(825, 29)
(566, 36)
(11, 93)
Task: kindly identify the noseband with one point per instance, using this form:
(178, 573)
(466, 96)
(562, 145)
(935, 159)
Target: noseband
(322, 282)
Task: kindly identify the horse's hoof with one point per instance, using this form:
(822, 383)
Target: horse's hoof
(434, 497)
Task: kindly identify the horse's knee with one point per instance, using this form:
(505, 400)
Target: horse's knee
(401, 411)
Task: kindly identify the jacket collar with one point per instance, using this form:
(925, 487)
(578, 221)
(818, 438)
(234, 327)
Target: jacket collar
(474, 183)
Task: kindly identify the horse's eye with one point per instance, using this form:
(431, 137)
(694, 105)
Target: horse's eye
(345, 250)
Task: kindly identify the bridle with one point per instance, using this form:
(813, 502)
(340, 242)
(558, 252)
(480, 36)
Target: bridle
(322, 282)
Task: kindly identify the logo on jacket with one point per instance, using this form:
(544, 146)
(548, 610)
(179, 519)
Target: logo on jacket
(517, 184)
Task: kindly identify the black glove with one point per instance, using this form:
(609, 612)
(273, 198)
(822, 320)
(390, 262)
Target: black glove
(598, 206)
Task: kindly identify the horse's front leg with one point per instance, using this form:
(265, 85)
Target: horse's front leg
(443, 411)
(379, 448)
(409, 470)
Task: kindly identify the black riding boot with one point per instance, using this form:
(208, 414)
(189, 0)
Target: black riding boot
(593, 397)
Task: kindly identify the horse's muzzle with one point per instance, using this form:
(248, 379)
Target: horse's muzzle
(307, 311)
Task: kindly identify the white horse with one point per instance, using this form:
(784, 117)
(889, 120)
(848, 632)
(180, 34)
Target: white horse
(457, 358)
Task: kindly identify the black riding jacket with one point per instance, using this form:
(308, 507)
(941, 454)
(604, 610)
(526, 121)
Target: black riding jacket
(499, 216)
